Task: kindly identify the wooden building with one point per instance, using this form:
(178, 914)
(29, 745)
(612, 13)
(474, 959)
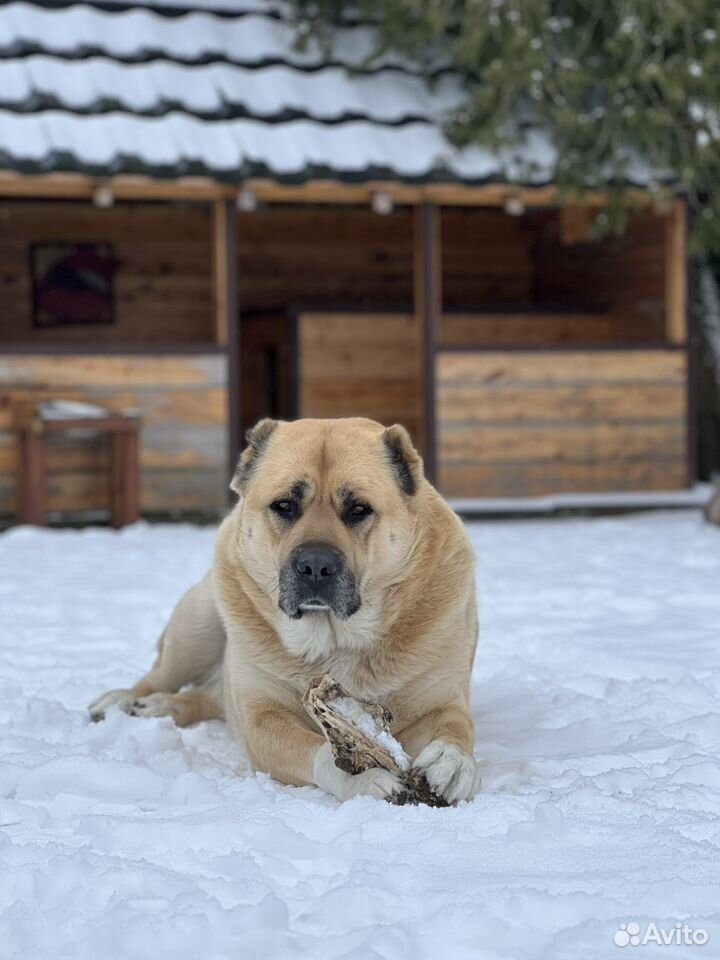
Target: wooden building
(202, 222)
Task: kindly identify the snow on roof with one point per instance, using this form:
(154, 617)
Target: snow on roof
(218, 88)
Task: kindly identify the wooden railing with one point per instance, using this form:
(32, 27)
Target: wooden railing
(360, 364)
(183, 403)
(524, 423)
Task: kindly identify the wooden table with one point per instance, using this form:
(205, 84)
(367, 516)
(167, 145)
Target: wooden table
(123, 430)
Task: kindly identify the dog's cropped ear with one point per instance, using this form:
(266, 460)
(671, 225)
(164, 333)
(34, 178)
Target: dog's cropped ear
(257, 439)
(404, 458)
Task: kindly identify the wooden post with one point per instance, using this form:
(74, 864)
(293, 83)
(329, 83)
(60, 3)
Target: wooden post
(227, 316)
(32, 497)
(125, 475)
(676, 326)
(428, 311)
(222, 212)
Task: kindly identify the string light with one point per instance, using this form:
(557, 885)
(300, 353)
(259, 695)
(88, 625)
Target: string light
(382, 203)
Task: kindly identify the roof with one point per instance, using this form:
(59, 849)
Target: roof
(218, 88)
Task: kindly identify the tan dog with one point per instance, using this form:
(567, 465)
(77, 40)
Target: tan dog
(339, 557)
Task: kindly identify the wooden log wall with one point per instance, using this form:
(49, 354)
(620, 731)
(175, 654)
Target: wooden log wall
(623, 276)
(287, 256)
(327, 257)
(530, 328)
(361, 365)
(162, 281)
(183, 402)
(324, 256)
(547, 290)
(525, 423)
(486, 259)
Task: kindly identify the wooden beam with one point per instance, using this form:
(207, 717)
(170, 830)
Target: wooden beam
(442, 194)
(333, 191)
(428, 311)
(135, 187)
(32, 493)
(227, 315)
(75, 186)
(676, 326)
(223, 228)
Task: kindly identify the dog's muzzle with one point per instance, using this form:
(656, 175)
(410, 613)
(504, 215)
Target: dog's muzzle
(316, 578)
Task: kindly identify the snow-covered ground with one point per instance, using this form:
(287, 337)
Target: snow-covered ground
(597, 699)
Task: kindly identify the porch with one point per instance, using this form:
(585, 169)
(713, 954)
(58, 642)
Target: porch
(524, 359)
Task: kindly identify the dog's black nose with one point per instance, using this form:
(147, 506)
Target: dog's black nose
(318, 562)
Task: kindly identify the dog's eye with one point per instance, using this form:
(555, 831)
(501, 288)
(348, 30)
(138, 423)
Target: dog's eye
(358, 512)
(287, 509)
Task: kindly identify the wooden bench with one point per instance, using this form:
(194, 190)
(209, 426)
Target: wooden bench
(123, 432)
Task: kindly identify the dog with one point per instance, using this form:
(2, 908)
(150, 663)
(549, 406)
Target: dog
(711, 510)
(339, 557)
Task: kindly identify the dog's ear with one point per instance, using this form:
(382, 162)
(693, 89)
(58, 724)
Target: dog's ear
(257, 439)
(404, 459)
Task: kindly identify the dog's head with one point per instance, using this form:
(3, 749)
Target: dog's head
(328, 511)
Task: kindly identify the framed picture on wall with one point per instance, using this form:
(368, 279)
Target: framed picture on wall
(72, 283)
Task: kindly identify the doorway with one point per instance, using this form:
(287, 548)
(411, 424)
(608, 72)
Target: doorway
(267, 367)
(327, 364)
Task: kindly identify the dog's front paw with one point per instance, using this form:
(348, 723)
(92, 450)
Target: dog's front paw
(374, 782)
(451, 773)
(153, 705)
(118, 699)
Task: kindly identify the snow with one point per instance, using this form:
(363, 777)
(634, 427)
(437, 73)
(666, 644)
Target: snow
(69, 409)
(196, 36)
(270, 92)
(413, 149)
(193, 77)
(596, 693)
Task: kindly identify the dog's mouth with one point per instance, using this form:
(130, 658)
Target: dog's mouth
(314, 604)
(341, 606)
(300, 595)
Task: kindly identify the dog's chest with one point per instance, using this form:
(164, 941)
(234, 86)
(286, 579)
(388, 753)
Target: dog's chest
(327, 645)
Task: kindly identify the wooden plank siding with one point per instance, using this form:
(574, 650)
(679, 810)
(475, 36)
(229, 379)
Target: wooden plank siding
(183, 453)
(524, 329)
(162, 282)
(324, 257)
(486, 259)
(492, 264)
(528, 423)
(327, 257)
(621, 276)
(359, 365)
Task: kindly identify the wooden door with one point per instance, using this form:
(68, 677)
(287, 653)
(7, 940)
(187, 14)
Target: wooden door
(267, 363)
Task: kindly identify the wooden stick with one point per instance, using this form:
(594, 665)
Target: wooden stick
(336, 712)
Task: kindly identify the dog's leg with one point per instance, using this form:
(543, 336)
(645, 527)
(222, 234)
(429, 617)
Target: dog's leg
(190, 650)
(442, 743)
(279, 745)
(186, 708)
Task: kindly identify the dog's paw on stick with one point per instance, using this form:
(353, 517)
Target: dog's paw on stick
(358, 732)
